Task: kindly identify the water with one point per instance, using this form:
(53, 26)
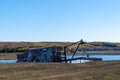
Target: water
(7, 61)
(107, 57)
(104, 57)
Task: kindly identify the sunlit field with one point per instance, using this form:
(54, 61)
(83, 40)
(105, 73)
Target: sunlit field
(60, 71)
(8, 55)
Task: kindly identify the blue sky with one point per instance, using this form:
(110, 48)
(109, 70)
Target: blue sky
(60, 20)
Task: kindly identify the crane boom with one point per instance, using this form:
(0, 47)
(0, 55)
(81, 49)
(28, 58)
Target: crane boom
(65, 47)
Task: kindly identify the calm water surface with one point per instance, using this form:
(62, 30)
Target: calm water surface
(104, 57)
(7, 61)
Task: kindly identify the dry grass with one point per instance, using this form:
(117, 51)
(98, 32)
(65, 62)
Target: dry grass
(61, 71)
(8, 56)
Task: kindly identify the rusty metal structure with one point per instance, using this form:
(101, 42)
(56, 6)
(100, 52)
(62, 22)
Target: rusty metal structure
(52, 54)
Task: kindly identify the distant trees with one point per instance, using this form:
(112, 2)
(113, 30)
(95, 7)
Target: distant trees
(7, 47)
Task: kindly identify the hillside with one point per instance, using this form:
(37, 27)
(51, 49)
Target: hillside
(23, 46)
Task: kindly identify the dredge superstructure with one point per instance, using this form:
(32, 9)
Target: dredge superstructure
(52, 54)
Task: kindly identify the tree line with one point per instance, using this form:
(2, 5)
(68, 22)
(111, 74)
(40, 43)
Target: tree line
(9, 47)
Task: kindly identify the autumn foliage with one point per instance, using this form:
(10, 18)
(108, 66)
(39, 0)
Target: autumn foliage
(6, 47)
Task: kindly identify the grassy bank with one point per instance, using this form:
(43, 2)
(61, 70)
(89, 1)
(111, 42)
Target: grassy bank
(8, 56)
(61, 71)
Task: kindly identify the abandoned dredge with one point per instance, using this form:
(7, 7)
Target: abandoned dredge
(52, 54)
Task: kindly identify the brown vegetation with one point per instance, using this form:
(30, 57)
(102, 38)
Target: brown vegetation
(4, 56)
(60, 71)
(6, 47)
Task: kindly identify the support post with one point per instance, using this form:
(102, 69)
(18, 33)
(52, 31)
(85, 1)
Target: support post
(65, 54)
